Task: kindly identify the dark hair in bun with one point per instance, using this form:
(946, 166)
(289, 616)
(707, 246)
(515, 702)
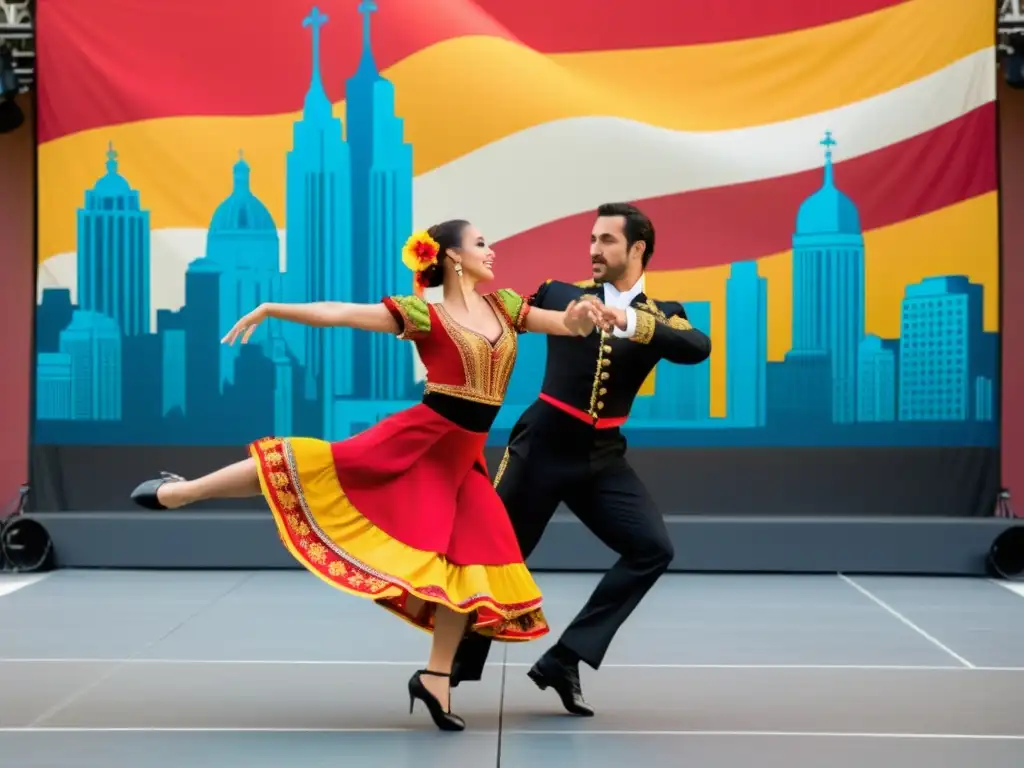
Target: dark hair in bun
(447, 234)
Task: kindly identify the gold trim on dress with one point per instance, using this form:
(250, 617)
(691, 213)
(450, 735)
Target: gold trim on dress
(487, 368)
(287, 467)
(415, 313)
(513, 306)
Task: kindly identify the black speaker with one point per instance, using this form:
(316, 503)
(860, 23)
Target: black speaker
(25, 544)
(11, 115)
(1006, 556)
(1013, 70)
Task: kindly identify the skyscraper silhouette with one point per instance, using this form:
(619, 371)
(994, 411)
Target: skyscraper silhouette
(941, 347)
(113, 252)
(382, 174)
(683, 392)
(319, 240)
(746, 346)
(828, 285)
(242, 241)
(200, 320)
(53, 386)
(876, 380)
(92, 343)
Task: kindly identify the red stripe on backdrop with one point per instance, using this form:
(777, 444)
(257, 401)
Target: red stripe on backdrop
(585, 25)
(228, 58)
(707, 227)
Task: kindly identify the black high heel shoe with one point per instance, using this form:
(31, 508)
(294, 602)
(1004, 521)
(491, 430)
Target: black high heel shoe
(145, 494)
(443, 719)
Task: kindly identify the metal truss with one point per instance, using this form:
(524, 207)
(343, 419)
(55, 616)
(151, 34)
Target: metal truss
(18, 31)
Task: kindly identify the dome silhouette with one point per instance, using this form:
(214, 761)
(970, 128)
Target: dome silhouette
(828, 211)
(112, 183)
(241, 210)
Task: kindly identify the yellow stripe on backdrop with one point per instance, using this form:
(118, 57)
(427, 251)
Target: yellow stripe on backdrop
(959, 240)
(465, 93)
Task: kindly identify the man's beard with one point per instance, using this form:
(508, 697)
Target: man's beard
(611, 274)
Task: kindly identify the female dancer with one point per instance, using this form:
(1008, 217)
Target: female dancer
(404, 513)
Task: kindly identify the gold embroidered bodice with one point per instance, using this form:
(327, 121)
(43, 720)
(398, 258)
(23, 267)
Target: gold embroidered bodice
(461, 362)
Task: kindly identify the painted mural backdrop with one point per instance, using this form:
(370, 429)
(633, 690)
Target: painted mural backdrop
(821, 175)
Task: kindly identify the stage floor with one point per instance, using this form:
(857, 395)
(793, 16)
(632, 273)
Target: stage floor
(219, 669)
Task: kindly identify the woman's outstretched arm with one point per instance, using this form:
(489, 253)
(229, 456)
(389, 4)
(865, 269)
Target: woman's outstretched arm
(320, 314)
(578, 319)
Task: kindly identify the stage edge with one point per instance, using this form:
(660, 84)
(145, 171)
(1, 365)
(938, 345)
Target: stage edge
(208, 540)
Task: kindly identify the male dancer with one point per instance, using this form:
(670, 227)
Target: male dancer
(567, 447)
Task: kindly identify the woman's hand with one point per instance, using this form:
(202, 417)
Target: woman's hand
(247, 325)
(581, 316)
(610, 318)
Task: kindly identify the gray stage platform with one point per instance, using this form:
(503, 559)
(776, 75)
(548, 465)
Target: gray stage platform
(148, 669)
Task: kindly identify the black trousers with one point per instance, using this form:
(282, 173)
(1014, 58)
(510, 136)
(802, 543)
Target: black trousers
(553, 458)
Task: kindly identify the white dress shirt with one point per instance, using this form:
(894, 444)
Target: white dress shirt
(613, 297)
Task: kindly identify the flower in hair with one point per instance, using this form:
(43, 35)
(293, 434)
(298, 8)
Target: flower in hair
(420, 252)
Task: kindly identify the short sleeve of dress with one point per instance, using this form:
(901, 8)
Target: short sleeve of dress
(412, 315)
(515, 308)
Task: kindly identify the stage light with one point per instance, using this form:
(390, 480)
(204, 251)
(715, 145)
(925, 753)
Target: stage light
(25, 544)
(1006, 556)
(11, 115)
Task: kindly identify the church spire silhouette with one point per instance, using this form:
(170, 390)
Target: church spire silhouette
(317, 104)
(111, 159)
(241, 174)
(366, 62)
(828, 142)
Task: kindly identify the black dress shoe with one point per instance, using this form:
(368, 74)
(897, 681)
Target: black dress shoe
(145, 494)
(565, 679)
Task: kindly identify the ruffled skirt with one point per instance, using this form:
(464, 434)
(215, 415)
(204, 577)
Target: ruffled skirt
(404, 514)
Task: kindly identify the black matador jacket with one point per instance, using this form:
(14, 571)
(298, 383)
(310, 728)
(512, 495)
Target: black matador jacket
(598, 377)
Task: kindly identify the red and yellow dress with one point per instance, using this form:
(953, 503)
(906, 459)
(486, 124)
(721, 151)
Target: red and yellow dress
(405, 513)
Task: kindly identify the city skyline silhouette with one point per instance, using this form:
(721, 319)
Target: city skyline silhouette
(106, 375)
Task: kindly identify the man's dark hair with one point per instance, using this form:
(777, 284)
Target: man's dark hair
(637, 226)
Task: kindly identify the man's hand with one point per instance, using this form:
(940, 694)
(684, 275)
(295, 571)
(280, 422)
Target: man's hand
(612, 317)
(580, 317)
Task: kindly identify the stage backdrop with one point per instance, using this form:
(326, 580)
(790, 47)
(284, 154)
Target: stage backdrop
(822, 177)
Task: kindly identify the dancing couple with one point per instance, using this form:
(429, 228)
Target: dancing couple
(405, 513)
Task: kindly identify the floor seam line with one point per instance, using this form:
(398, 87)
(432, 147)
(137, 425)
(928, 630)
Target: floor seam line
(63, 704)
(904, 620)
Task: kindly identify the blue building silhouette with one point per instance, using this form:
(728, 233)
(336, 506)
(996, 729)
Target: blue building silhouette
(800, 390)
(984, 399)
(943, 351)
(242, 242)
(92, 343)
(876, 379)
(682, 393)
(319, 246)
(828, 285)
(746, 346)
(200, 320)
(52, 316)
(174, 361)
(53, 386)
(113, 252)
(382, 173)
